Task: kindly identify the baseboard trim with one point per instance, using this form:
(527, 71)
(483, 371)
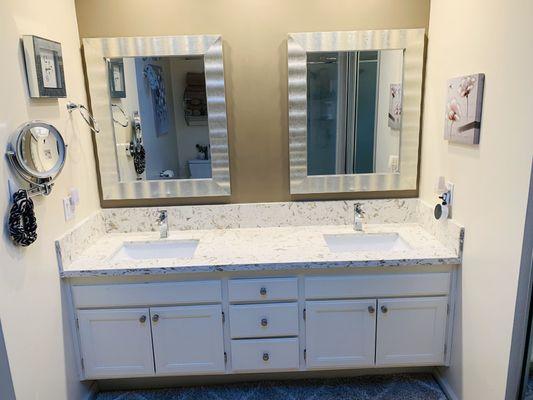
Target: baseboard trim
(445, 386)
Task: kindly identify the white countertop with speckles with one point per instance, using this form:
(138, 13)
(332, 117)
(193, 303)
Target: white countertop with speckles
(266, 248)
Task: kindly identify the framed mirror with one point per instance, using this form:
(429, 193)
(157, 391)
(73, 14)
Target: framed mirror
(160, 103)
(354, 110)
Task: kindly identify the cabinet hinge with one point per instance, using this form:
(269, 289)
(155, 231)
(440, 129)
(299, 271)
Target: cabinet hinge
(223, 317)
(305, 314)
(225, 357)
(305, 354)
(77, 323)
(448, 309)
(82, 364)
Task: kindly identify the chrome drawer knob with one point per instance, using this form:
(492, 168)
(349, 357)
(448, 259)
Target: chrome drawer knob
(384, 309)
(155, 317)
(263, 291)
(371, 309)
(264, 322)
(266, 357)
(142, 320)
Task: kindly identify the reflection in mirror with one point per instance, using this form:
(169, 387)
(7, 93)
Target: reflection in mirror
(39, 150)
(159, 109)
(354, 104)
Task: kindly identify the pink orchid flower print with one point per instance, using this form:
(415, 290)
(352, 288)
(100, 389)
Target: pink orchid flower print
(453, 112)
(465, 88)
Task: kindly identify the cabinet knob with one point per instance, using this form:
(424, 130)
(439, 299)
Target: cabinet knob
(371, 309)
(263, 291)
(142, 320)
(266, 356)
(264, 322)
(384, 309)
(155, 317)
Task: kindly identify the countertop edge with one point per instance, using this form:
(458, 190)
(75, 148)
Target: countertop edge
(285, 266)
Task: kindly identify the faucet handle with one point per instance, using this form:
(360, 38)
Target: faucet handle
(358, 208)
(163, 214)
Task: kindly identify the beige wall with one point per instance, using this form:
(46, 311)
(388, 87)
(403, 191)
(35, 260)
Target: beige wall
(31, 305)
(254, 34)
(491, 179)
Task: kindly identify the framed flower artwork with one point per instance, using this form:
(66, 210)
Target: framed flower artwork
(464, 102)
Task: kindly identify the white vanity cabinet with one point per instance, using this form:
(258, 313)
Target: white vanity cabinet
(116, 342)
(340, 334)
(244, 324)
(411, 331)
(188, 340)
(132, 341)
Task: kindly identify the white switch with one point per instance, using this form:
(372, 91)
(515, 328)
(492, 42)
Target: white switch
(74, 197)
(68, 209)
(394, 160)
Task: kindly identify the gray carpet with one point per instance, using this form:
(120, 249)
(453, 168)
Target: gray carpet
(377, 387)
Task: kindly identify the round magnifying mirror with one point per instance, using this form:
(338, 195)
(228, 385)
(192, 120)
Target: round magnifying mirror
(39, 150)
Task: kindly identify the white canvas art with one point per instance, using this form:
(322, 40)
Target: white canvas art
(464, 101)
(395, 106)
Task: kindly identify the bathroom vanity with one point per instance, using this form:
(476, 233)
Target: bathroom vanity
(261, 299)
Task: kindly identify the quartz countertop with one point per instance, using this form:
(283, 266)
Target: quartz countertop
(266, 248)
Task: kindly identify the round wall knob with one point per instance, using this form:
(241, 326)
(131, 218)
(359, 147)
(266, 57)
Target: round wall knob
(371, 309)
(155, 317)
(384, 309)
(142, 320)
(263, 291)
(264, 322)
(266, 357)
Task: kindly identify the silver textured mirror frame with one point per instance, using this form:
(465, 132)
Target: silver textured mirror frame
(97, 51)
(298, 44)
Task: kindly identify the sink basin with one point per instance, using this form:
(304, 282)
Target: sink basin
(345, 242)
(155, 249)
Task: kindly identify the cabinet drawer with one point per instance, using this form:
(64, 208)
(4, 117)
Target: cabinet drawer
(146, 294)
(255, 355)
(243, 290)
(381, 285)
(264, 320)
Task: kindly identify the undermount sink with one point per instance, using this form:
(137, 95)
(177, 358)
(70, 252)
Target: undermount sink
(155, 249)
(345, 242)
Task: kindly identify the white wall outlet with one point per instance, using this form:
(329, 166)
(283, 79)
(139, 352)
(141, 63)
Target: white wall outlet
(394, 162)
(68, 209)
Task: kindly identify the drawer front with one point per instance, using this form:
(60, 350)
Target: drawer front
(146, 294)
(255, 355)
(263, 320)
(381, 285)
(273, 289)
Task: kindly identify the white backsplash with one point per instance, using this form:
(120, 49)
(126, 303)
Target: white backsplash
(259, 215)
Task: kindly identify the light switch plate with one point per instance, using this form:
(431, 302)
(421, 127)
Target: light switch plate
(68, 209)
(394, 160)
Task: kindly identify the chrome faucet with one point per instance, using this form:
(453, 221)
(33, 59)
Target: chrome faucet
(162, 220)
(359, 215)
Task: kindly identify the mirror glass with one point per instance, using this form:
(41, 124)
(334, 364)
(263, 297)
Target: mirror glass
(159, 109)
(354, 109)
(41, 150)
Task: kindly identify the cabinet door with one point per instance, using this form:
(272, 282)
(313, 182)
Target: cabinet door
(188, 340)
(116, 343)
(411, 331)
(340, 334)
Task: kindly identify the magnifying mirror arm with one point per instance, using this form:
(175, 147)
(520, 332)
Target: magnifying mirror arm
(38, 186)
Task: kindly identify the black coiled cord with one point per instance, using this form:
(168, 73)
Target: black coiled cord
(139, 158)
(22, 222)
